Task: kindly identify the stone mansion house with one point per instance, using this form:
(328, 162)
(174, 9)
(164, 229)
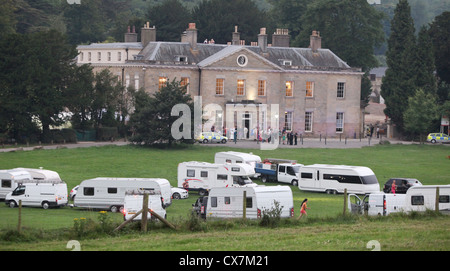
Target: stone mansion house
(317, 93)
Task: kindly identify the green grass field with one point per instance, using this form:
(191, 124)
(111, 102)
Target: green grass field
(322, 230)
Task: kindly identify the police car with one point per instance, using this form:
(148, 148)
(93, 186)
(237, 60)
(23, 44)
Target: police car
(212, 137)
(438, 137)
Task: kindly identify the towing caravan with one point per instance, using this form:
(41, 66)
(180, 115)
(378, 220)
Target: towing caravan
(334, 179)
(10, 180)
(42, 175)
(109, 193)
(228, 202)
(202, 176)
(421, 198)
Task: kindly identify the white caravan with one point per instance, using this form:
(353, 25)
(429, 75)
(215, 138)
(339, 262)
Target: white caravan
(335, 178)
(377, 204)
(133, 203)
(422, 198)
(228, 202)
(233, 157)
(38, 194)
(202, 176)
(10, 179)
(109, 193)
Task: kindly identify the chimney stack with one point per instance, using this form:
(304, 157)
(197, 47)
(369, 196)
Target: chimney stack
(236, 36)
(148, 34)
(191, 36)
(131, 36)
(280, 38)
(315, 41)
(262, 39)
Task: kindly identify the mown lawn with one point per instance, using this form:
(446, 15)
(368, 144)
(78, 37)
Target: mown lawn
(427, 163)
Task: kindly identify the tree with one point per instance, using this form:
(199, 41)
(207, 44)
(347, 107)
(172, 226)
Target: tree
(217, 18)
(288, 14)
(170, 18)
(440, 36)
(399, 80)
(351, 29)
(152, 120)
(421, 113)
(425, 68)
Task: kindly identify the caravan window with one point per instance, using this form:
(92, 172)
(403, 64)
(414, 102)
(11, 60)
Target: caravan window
(444, 199)
(112, 190)
(222, 177)
(213, 201)
(249, 202)
(417, 200)
(6, 183)
(190, 173)
(204, 174)
(306, 175)
(372, 179)
(227, 200)
(88, 191)
(342, 178)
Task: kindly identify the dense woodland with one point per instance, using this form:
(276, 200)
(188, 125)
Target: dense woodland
(38, 39)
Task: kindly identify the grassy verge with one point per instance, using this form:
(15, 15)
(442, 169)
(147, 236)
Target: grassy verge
(324, 229)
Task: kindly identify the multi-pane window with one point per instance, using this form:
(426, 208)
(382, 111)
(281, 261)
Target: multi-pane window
(240, 87)
(109, 56)
(340, 89)
(99, 56)
(261, 87)
(289, 88)
(185, 83)
(309, 89)
(288, 121)
(219, 86)
(162, 82)
(89, 56)
(119, 56)
(339, 122)
(308, 121)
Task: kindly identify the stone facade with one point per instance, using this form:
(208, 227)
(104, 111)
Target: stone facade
(316, 92)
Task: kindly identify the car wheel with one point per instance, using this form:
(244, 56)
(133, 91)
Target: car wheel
(176, 196)
(224, 141)
(264, 179)
(113, 209)
(45, 205)
(12, 204)
(433, 141)
(205, 141)
(294, 182)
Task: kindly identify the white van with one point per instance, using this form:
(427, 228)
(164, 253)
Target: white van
(377, 204)
(228, 202)
(421, 198)
(38, 194)
(335, 178)
(202, 176)
(234, 157)
(109, 193)
(10, 179)
(133, 202)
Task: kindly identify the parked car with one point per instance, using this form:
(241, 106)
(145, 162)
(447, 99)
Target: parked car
(73, 192)
(403, 184)
(179, 193)
(438, 137)
(211, 137)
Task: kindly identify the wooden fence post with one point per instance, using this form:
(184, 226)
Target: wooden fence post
(144, 213)
(244, 206)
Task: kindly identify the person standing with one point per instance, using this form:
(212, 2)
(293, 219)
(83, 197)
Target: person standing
(393, 187)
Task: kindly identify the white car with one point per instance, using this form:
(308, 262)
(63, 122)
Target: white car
(179, 193)
(73, 192)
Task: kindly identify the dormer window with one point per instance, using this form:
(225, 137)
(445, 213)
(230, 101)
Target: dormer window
(181, 59)
(287, 62)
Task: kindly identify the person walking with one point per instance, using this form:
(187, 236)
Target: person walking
(303, 208)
